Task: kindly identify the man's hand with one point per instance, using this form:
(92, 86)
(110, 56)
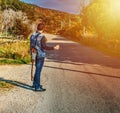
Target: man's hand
(57, 47)
(34, 50)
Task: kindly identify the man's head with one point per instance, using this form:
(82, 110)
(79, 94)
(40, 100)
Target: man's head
(40, 26)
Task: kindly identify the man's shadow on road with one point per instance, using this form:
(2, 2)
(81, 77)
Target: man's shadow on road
(88, 73)
(16, 83)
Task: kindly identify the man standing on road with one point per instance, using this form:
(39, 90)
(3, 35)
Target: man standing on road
(39, 50)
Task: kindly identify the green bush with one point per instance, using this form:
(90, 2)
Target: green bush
(15, 53)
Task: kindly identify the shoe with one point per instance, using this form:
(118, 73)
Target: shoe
(40, 89)
(33, 86)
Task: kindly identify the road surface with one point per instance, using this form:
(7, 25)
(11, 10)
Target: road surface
(78, 79)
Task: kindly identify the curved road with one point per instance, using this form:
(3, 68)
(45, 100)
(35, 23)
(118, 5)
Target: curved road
(78, 79)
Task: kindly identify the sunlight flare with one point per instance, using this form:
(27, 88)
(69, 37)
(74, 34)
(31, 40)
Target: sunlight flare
(115, 7)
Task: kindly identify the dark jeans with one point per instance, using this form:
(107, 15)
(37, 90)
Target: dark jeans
(39, 64)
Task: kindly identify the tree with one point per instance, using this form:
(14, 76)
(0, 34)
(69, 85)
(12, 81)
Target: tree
(21, 30)
(99, 18)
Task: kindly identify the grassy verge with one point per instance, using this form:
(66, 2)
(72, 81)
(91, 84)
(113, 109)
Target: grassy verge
(14, 61)
(15, 53)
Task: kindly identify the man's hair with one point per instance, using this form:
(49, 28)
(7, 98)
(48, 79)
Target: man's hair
(40, 26)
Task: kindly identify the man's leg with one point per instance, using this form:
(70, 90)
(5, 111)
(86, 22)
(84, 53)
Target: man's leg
(39, 65)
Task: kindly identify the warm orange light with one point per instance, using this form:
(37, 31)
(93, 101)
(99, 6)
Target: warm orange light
(115, 7)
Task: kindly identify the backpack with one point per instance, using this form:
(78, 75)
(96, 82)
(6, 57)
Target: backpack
(35, 46)
(33, 41)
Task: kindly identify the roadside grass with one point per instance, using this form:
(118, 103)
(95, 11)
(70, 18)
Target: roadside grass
(15, 53)
(14, 61)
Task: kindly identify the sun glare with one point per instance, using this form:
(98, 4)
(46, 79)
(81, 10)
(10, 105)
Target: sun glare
(115, 7)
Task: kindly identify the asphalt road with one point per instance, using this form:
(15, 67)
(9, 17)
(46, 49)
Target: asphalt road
(78, 79)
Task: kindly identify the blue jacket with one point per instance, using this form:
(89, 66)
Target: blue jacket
(38, 41)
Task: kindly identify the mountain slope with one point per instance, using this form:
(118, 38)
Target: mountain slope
(51, 18)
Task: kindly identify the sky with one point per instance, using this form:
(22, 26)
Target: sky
(69, 6)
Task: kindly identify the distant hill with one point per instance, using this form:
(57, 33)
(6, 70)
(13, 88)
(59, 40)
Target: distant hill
(54, 20)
